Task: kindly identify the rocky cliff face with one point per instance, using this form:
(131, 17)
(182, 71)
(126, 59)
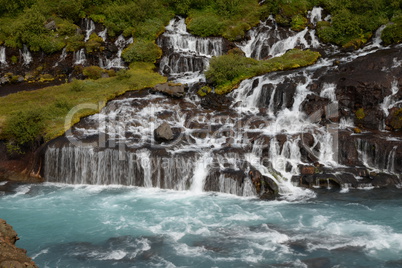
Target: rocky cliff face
(10, 255)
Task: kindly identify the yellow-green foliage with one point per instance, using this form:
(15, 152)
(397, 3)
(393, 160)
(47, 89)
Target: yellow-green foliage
(94, 43)
(93, 72)
(143, 51)
(392, 34)
(227, 71)
(55, 102)
(360, 113)
(227, 18)
(202, 92)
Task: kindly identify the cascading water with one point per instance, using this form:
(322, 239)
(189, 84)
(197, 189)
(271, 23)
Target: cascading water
(62, 57)
(266, 129)
(116, 62)
(270, 40)
(186, 56)
(89, 28)
(26, 55)
(3, 59)
(80, 57)
(103, 34)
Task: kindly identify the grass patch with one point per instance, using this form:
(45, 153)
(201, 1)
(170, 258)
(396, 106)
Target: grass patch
(56, 101)
(227, 71)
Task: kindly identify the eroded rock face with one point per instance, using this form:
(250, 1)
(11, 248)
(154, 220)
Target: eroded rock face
(10, 255)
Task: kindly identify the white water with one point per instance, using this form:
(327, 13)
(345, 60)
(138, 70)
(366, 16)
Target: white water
(116, 62)
(391, 101)
(89, 28)
(276, 41)
(3, 59)
(79, 57)
(62, 57)
(188, 55)
(103, 34)
(26, 55)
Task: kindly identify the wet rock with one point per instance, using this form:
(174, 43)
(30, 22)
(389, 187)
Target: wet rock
(10, 255)
(169, 89)
(163, 133)
(307, 170)
(216, 102)
(265, 186)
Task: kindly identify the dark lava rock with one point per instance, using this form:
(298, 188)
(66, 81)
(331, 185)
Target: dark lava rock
(10, 255)
(163, 133)
(216, 102)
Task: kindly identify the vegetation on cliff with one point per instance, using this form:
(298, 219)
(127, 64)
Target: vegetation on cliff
(52, 25)
(28, 115)
(227, 71)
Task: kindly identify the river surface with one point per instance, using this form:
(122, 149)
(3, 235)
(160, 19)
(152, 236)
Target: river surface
(117, 226)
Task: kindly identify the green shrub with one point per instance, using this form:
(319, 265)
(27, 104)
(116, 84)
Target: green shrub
(142, 51)
(23, 128)
(94, 43)
(93, 72)
(392, 34)
(298, 23)
(205, 24)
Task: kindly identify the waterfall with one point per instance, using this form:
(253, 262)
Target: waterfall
(117, 62)
(79, 57)
(200, 173)
(269, 40)
(26, 55)
(315, 15)
(62, 57)
(186, 56)
(89, 28)
(391, 101)
(276, 125)
(3, 60)
(103, 34)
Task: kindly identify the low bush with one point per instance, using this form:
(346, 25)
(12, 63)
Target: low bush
(142, 51)
(93, 72)
(23, 128)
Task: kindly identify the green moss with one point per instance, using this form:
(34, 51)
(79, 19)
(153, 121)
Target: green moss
(45, 78)
(360, 114)
(14, 59)
(94, 43)
(227, 71)
(298, 23)
(202, 92)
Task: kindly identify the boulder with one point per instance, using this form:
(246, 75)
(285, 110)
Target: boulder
(10, 255)
(170, 89)
(163, 133)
